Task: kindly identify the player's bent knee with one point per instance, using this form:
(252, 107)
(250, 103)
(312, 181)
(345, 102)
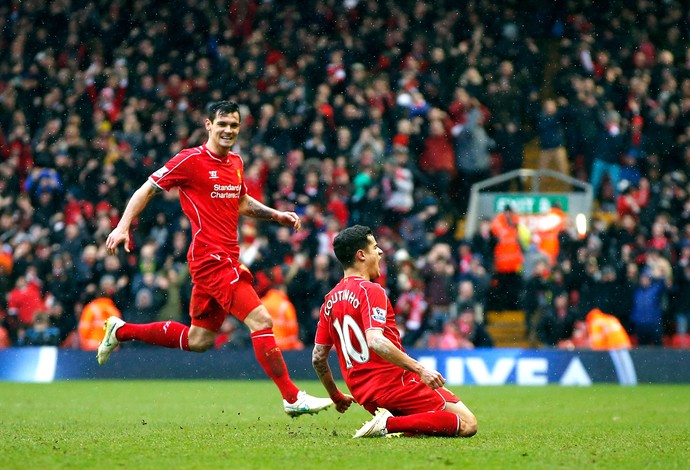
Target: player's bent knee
(200, 345)
(259, 319)
(468, 427)
(200, 340)
(468, 422)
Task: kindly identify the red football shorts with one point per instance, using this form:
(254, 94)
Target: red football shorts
(225, 291)
(411, 396)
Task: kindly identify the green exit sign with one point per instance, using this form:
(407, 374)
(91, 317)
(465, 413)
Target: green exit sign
(530, 203)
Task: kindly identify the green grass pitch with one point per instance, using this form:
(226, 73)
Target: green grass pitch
(241, 425)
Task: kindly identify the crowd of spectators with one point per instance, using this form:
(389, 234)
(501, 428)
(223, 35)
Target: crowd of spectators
(377, 113)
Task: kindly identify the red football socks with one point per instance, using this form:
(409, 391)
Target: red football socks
(271, 359)
(168, 334)
(434, 423)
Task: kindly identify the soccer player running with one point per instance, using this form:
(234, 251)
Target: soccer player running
(358, 319)
(210, 179)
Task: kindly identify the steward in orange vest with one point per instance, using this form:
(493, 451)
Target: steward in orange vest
(91, 322)
(605, 331)
(284, 316)
(554, 222)
(507, 252)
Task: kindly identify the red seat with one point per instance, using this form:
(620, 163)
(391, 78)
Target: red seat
(72, 341)
(4, 338)
(681, 341)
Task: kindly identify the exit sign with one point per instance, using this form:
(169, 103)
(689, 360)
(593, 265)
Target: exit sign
(530, 203)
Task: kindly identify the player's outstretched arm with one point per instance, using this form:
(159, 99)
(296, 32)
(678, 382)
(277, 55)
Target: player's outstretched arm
(136, 204)
(319, 359)
(387, 350)
(253, 208)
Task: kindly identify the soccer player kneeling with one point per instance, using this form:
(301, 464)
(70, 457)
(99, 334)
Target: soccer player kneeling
(358, 319)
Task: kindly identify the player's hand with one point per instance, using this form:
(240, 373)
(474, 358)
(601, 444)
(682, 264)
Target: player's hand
(342, 402)
(290, 219)
(116, 237)
(432, 378)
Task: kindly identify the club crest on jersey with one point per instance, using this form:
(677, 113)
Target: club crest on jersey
(213, 175)
(239, 174)
(378, 314)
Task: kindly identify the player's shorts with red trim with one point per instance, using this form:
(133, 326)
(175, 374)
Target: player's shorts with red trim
(410, 396)
(220, 288)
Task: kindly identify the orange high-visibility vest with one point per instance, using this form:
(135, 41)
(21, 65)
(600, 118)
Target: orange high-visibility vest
(553, 223)
(91, 322)
(605, 331)
(284, 316)
(507, 253)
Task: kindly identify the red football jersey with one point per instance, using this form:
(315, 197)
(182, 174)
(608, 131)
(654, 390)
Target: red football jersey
(210, 190)
(352, 307)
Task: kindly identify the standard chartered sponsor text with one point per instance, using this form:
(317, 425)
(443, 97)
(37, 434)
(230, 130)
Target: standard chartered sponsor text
(226, 191)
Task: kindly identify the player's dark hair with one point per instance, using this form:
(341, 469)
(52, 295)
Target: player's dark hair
(222, 108)
(349, 241)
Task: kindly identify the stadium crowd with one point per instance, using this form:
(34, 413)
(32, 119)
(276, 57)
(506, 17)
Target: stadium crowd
(377, 113)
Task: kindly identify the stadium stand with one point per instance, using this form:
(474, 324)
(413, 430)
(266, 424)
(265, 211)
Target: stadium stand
(354, 112)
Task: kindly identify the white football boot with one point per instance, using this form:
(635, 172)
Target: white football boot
(376, 426)
(306, 405)
(109, 342)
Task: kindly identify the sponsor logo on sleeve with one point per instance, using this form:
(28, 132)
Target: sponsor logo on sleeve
(160, 172)
(378, 314)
